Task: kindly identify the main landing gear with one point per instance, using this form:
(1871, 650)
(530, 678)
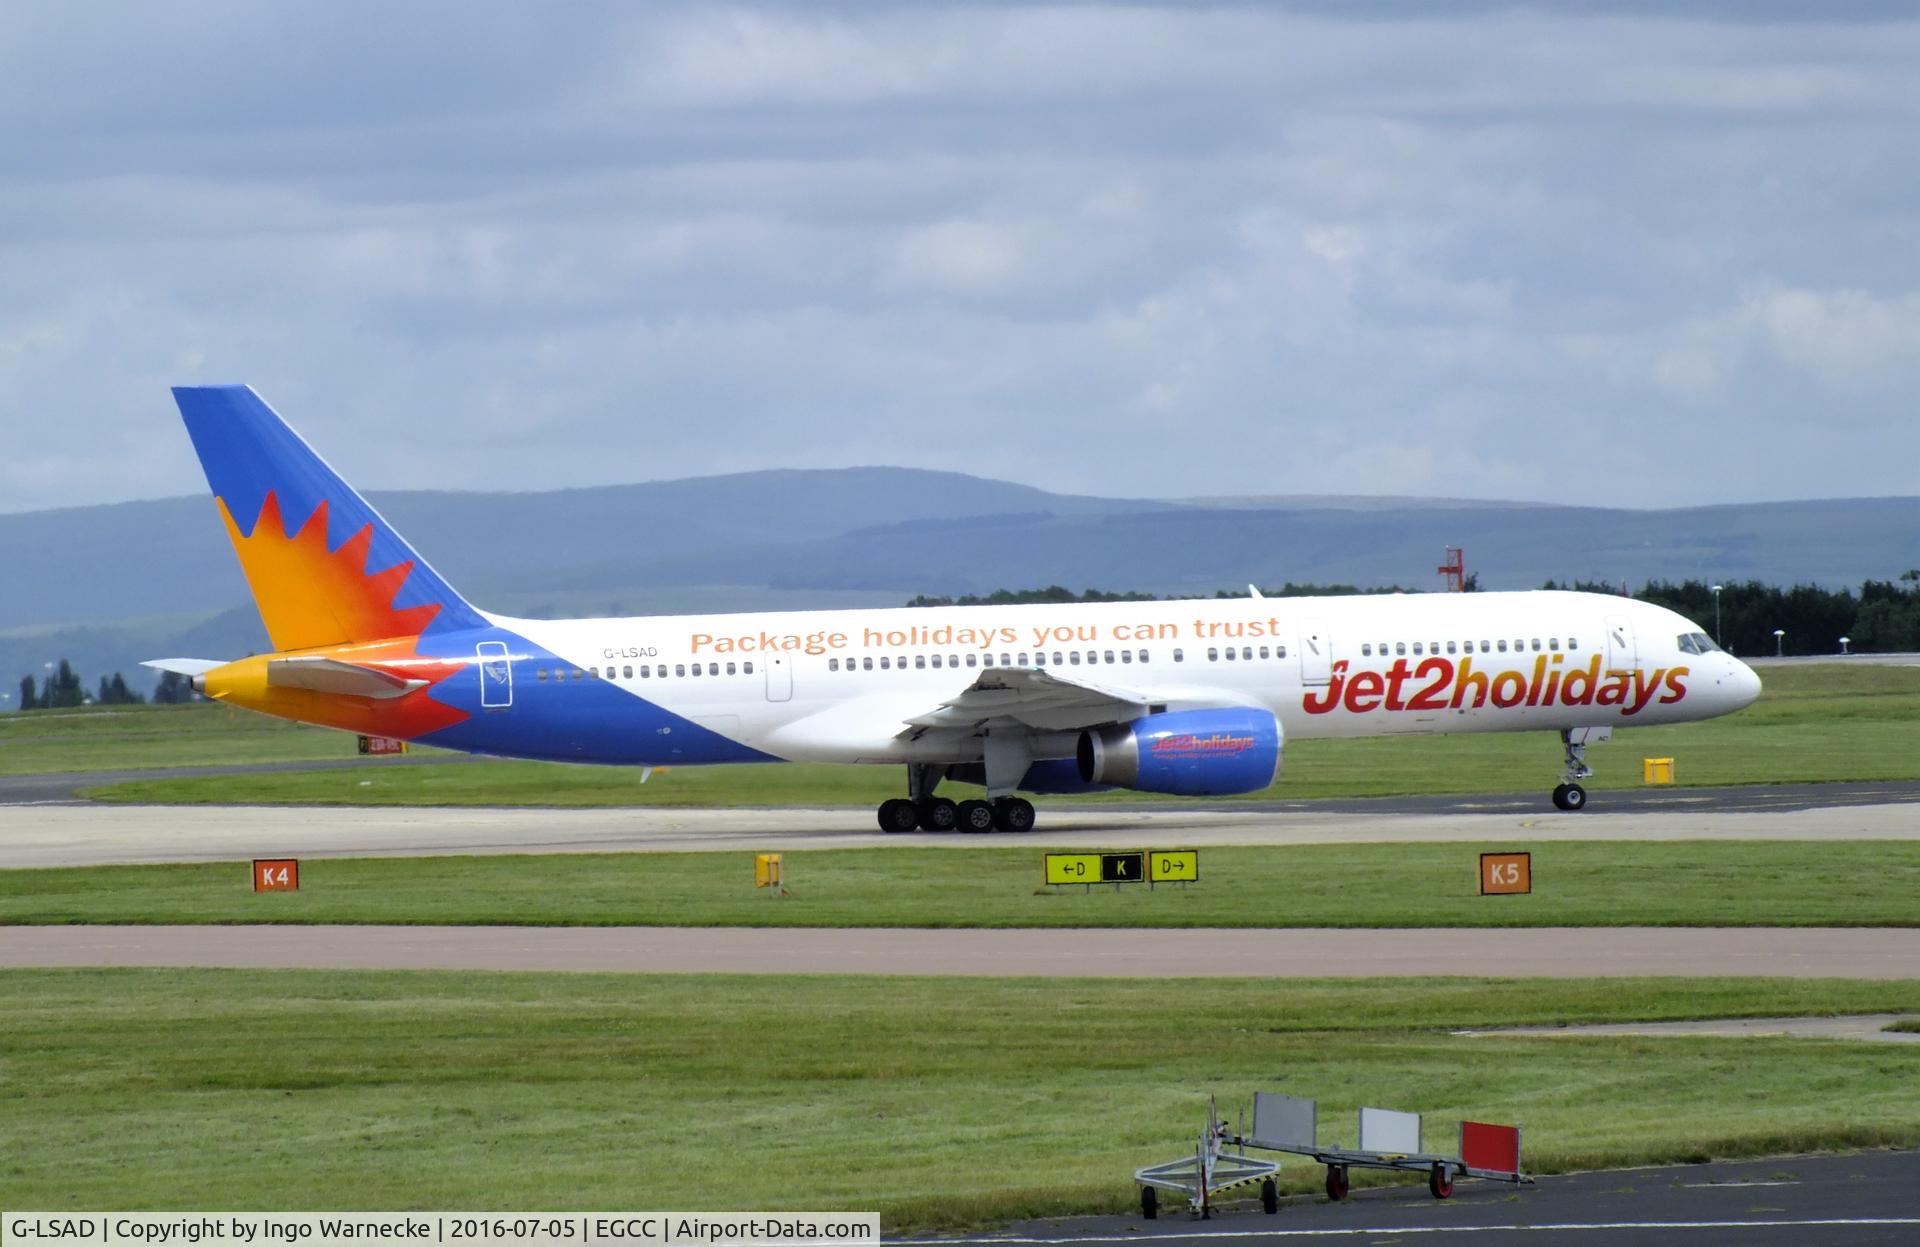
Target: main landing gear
(940, 814)
(923, 811)
(1569, 795)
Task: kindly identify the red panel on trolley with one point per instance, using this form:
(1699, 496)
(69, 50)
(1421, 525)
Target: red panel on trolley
(1490, 1147)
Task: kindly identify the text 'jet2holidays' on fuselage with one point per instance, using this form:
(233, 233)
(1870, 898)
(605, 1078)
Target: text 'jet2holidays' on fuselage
(1188, 697)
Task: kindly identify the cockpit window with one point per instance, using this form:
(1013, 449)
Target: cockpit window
(1697, 643)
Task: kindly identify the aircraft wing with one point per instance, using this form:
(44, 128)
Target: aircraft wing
(1041, 699)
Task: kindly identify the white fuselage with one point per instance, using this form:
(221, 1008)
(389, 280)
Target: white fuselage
(842, 685)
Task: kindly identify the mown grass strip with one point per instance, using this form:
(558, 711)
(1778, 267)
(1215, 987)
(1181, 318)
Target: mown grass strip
(940, 1102)
(1625, 883)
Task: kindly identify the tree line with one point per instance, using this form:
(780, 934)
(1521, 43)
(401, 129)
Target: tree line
(63, 689)
(1882, 618)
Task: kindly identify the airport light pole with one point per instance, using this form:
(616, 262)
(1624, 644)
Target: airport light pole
(1779, 639)
(1717, 639)
(1844, 642)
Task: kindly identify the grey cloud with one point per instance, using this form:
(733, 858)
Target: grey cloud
(1568, 252)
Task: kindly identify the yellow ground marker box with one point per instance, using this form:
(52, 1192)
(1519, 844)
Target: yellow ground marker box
(1657, 770)
(766, 870)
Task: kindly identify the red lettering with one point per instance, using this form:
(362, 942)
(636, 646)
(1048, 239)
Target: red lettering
(1328, 700)
(1644, 687)
(1588, 680)
(1675, 689)
(1363, 691)
(1432, 696)
(1469, 678)
(1396, 676)
(1539, 677)
(1515, 689)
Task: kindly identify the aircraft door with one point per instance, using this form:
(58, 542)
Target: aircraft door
(496, 675)
(1316, 653)
(779, 678)
(1620, 644)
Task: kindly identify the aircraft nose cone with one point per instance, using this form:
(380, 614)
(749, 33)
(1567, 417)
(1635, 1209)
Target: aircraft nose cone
(1743, 684)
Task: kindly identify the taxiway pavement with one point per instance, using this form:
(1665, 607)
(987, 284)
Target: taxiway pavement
(1553, 952)
(1851, 1200)
(81, 834)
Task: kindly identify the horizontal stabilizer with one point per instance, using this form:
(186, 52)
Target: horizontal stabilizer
(184, 666)
(330, 675)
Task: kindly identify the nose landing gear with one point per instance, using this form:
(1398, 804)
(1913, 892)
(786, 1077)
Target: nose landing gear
(1569, 795)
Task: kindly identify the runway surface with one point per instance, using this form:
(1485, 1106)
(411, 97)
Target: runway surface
(81, 834)
(1555, 952)
(1855, 1200)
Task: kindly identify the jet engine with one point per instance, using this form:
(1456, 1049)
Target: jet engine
(1193, 753)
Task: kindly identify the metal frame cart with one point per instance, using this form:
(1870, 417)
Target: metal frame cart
(1209, 1171)
(1388, 1140)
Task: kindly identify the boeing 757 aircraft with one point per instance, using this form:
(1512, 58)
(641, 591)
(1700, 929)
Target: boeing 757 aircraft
(1195, 697)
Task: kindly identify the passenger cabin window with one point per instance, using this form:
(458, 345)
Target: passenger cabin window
(1366, 649)
(1536, 645)
(1450, 647)
(972, 659)
(920, 661)
(541, 675)
(1399, 647)
(746, 668)
(866, 664)
(1179, 655)
(1213, 655)
(886, 664)
(1503, 647)
(1416, 649)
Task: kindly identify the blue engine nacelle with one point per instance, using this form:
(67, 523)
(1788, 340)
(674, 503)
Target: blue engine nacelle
(1194, 753)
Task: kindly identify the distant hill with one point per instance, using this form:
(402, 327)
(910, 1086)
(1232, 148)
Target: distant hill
(106, 586)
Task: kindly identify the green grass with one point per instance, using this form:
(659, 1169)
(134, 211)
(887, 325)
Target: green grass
(1813, 723)
(132, 737)
(1651, 883)
(939, 1102)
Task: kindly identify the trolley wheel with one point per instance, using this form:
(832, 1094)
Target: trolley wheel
(1149, 1203)
(1440, 1181)
(1270, 1197)
(1337, 1184)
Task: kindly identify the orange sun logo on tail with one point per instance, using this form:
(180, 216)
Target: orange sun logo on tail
(320, 601)
(311, 596)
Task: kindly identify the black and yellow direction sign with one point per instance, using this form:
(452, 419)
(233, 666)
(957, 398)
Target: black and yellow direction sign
(1096, 867)
(1152, 866)
(1173, 866)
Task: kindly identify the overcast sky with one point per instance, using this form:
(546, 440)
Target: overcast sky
(1651, 255)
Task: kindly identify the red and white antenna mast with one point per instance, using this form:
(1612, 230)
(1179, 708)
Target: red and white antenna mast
(1455, 570)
